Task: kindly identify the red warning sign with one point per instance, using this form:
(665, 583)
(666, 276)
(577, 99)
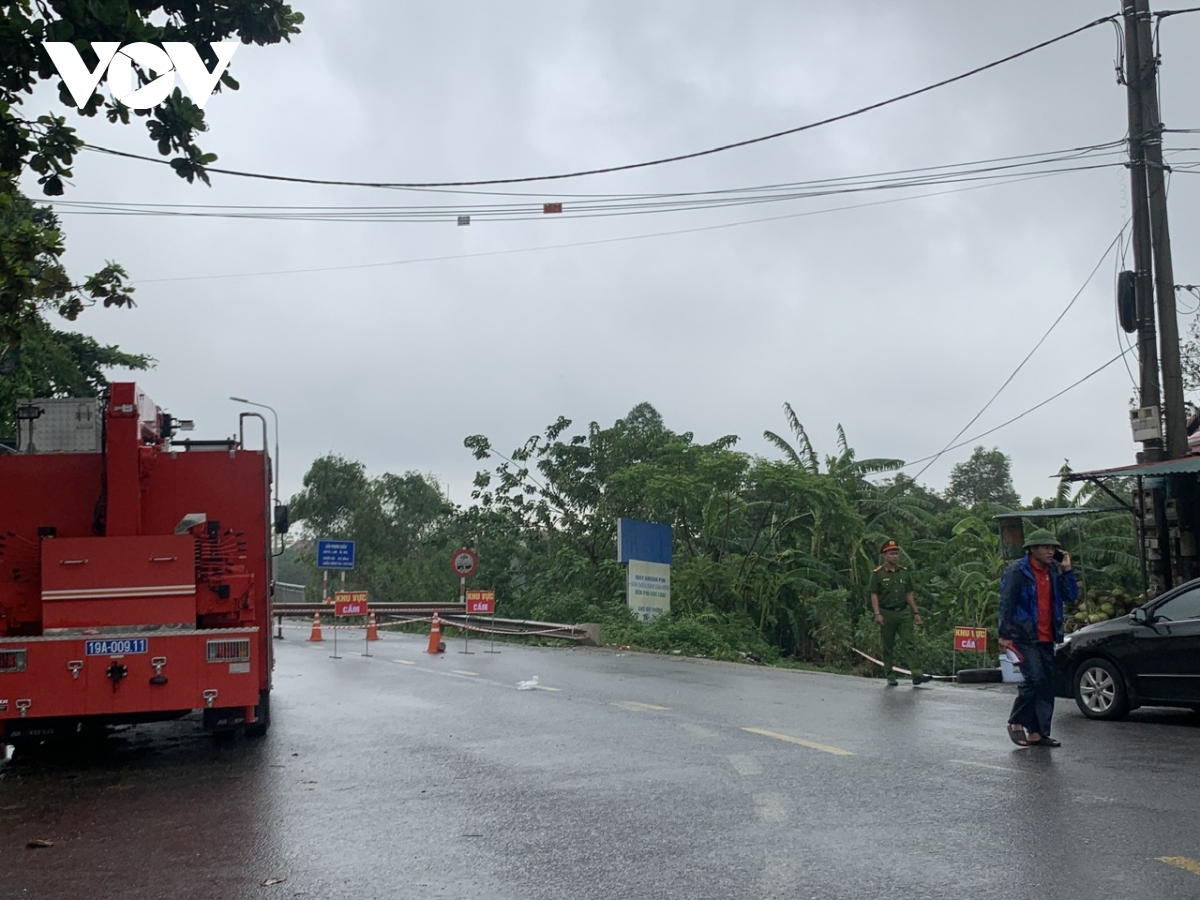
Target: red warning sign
(350, 603)
(481, 602)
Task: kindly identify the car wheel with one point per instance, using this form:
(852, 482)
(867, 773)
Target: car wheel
(1100, 690)
(979, 676)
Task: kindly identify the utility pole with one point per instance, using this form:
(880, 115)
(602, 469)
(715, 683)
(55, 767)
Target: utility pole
(1169, 511)
(1151, 134)
(1148, 385)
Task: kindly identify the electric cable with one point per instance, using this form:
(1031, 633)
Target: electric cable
(1015, 418)
(640, 165)
(1162, 14)
(1122, 336)
(589, 243)
(518, 213)
(1046, 156)
(1114, 243)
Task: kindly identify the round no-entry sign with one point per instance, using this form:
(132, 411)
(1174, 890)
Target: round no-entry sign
(464, 562)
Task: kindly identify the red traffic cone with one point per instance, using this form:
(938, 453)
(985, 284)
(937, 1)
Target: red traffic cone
(372, 630)
(435, 636)
(316, 628)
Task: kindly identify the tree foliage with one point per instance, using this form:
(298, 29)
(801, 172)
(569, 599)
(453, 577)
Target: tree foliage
(52, 363)
(771, 555)
(401, 526)
(985, 478)
(32, 275)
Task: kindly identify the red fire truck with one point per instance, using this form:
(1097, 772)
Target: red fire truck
(135, 570)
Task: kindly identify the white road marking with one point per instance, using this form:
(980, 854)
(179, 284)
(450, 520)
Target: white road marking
(632, 704)
(777, 875)
(770, 808)
(745, 765)
(979, 765)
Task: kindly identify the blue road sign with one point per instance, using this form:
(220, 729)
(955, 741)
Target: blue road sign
(335, 554)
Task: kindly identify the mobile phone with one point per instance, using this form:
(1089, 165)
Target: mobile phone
(1058, 556)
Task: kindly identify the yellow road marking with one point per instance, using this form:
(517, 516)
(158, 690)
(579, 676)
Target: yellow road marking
(464, 672)
(543, 687)
(1182, 862)
(405, 662)
(632, 704)
(812, 745)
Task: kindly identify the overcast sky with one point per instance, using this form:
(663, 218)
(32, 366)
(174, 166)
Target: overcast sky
(389, 342)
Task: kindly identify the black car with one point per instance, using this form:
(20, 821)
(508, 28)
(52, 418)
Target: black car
(1149, 658)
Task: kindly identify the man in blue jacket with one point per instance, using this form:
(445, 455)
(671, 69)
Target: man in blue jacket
(1032, 593)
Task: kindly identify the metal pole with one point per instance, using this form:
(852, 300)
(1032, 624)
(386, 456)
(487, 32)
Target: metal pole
(275, 462)
(493, 643)
(1141, 531)
(467, 634)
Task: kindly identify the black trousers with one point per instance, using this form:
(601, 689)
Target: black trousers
(1034, 707)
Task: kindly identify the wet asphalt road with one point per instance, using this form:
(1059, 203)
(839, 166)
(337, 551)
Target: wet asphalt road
(622, 776)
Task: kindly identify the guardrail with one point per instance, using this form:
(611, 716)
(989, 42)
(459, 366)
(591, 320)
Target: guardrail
(453, 614)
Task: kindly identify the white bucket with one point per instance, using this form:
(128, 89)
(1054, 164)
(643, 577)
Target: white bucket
(1008, 673)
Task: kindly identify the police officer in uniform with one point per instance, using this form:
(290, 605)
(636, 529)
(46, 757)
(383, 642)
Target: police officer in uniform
(896, 613)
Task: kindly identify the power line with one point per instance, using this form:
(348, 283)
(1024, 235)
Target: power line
(1015, 418)
(440, 214)
(1122, 337)
(1045, 156)
(590, 243)
(1114, 243)
(641, 165)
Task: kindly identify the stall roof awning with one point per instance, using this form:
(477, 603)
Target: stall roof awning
(1181, 466)
(1057, 512)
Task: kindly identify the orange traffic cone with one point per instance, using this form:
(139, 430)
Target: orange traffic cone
(372, 630)
(316, 629)
(435, 636)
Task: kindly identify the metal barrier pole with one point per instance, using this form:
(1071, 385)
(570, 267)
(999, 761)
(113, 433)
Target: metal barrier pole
(493, 646)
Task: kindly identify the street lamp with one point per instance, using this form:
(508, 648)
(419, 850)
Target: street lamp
(276, 462)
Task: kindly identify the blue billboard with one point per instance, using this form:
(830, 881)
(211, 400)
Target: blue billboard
(335, 554)
(643, 541)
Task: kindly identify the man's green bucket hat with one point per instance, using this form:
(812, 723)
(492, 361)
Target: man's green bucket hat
(1041, 538)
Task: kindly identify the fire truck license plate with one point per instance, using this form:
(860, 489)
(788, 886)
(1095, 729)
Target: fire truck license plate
(116, 647)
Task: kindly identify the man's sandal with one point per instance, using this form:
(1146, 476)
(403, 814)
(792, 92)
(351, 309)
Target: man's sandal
(1016, 733)
(1047, 742)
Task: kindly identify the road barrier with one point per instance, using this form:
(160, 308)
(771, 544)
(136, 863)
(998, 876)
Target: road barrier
(879, 663)
(453, 614)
